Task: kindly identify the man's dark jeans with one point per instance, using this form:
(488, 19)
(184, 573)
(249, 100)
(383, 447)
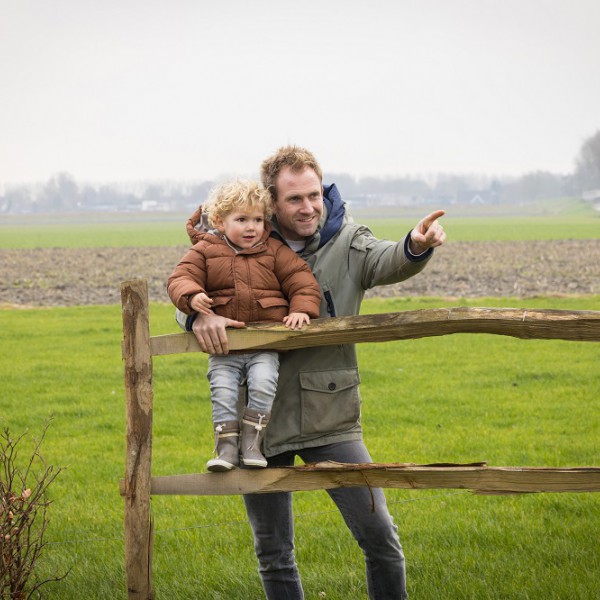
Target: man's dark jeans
(272, 522)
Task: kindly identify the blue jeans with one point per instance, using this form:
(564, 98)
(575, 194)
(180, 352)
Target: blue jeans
(227, 373)
(365, 513)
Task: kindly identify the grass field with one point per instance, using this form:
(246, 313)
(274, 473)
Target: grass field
(563, 220)
(458, 398)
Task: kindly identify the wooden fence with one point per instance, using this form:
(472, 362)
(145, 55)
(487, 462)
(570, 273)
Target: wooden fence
(139, 347)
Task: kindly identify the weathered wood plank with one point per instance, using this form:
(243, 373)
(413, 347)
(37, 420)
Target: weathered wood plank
(478, 478)
(519, 323)
(138, 458)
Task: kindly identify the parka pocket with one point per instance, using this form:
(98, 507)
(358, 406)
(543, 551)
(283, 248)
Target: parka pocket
(330, 400)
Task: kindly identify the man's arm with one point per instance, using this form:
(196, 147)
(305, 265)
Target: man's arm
(382, 262)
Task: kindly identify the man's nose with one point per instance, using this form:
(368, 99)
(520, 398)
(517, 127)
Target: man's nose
(306, 205)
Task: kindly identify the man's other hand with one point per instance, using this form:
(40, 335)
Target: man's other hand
(209, 330)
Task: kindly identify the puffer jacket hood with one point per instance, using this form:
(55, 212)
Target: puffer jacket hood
(197, 225)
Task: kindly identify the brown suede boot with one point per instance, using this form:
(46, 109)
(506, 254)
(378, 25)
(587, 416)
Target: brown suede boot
(226, 447)
(253, 431)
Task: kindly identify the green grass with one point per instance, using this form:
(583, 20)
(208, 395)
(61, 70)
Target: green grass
(455, 398)
(480, 229)
(95, 234)
(547, 220)
(555, 220)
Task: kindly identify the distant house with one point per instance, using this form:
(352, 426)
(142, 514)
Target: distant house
(154, 206)
(592, 196)
(476, 197)
(435, 199)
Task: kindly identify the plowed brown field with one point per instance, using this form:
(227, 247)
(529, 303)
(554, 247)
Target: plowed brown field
(68, 277)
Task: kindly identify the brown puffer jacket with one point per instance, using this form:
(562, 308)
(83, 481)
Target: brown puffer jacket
(263, 283)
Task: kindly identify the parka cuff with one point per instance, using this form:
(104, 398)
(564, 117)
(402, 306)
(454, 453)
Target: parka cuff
(190, 321)
(415, 257)
(185, 321)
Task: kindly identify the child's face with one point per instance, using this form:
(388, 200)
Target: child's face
(243, 227)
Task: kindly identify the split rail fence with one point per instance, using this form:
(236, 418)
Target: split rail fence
(139, 347)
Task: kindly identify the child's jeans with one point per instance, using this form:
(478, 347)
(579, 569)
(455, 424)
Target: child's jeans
(226, 373)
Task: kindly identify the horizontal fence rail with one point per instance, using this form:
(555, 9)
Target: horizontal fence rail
(542, 324)
(478, 478)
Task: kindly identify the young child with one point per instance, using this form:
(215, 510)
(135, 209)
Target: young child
(237, 271)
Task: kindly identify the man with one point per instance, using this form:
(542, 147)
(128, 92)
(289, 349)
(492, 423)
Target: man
(316, 413)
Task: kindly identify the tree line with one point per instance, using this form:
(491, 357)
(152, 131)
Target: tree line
(63, 193)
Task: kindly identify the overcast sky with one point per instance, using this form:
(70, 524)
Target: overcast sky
(123, 90)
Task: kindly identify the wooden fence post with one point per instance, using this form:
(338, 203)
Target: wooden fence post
(139, 397)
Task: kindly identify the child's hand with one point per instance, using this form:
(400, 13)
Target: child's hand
(296, 320)
(201, 303)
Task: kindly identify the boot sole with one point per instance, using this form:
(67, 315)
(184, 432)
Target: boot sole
(254, 463)
(218, 466)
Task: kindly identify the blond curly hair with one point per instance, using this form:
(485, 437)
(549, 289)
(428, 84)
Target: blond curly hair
(241, 194)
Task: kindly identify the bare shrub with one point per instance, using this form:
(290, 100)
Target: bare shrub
(23, 516)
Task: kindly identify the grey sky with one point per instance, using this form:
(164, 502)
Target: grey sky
(121, 90)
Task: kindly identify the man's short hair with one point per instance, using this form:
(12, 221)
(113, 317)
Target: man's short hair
(241, 194)
(295, 157)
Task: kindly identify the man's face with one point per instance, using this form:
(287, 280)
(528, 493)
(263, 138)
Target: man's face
(299, 204)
